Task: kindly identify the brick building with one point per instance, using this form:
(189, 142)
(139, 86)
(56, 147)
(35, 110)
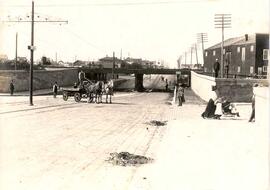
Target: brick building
(246, 55)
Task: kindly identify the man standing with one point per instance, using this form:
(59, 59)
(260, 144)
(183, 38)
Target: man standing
(11, 87)
(81, 77)
(216, 68)
(180, 95)
(55, 89)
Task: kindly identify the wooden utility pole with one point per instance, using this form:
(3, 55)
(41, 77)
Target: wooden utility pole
(113, 65)
(222, 21)
(196, 54)
(202, 38)
(32, 48)
(191, 56)
(16, 51)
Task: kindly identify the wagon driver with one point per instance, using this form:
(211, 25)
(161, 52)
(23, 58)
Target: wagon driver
(81, 77)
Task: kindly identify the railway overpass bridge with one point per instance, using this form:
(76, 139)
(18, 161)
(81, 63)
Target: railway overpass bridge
(103, 73)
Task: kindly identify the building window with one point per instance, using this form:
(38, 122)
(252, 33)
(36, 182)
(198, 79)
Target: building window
(214, 53)
(265, 54)
(251, 70)
(251, 48)
(238, 69)
(265, 69)
(259, 70)
(238, 49)
(206, 53)
(243, 54)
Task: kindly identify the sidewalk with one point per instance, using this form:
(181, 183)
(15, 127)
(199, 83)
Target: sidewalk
(203, 154)
(35, 93)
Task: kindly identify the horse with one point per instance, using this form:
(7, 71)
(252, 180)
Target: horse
(108, 90)
(94, 90)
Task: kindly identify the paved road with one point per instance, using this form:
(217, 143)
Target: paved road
(63, 145)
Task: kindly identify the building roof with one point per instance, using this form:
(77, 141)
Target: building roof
(236, 41)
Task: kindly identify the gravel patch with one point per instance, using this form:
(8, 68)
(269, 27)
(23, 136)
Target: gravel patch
(127, 159)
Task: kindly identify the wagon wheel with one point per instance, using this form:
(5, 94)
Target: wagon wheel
(77, 97)
(65, 96)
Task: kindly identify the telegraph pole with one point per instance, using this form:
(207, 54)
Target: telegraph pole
(202, 38)
(222, 21)
(16, 51)
(113, 65)
(32, 56)
(196, 54)
(191, 56)
(32, 48)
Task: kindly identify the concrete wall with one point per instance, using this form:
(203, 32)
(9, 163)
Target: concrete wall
(41, 79)
(235, 90)
(202, 85)
(262, 106)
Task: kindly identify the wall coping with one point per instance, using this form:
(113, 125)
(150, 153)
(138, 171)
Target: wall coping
(35, 71)
(203, 76)
(264, 82)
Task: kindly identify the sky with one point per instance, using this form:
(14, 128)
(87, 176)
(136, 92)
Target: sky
(157, 30)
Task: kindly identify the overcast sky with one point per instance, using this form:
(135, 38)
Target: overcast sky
(148, 29)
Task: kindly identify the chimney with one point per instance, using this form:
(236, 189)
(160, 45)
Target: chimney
(246, 37)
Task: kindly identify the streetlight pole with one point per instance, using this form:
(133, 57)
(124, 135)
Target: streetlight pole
(222, 21)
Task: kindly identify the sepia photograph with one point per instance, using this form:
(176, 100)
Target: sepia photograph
(134, 95)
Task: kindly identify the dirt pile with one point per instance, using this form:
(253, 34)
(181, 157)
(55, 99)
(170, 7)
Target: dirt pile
(157, 123)
(127, 159)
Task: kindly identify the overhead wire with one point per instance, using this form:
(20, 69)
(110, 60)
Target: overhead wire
(113, 4)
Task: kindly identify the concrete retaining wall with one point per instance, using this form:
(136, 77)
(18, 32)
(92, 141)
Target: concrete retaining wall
(235, 90)
(41, 79)
(238, 90)
(262, 106)
(202, 85)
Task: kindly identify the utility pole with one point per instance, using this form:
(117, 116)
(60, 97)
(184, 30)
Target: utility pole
(191, 56)
(16, 51)
(113, 65)
(195, 45)
(185, 58)
(56, 57)
(32, 47)
(121, 54)
(222, 21)
(202, 38)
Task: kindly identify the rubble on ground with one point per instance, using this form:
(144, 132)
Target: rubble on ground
(157, 123)
(127, 159)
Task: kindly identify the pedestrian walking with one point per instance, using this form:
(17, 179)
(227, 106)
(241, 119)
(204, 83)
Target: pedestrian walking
(55, 89)
(11, 87)
(166, 85)
(216, 68)
(180, 95)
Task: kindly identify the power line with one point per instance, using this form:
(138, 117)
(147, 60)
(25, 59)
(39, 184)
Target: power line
(115, 4)
(84, 40)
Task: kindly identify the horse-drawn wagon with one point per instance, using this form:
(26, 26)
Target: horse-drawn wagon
(78, 93)
(90, 91)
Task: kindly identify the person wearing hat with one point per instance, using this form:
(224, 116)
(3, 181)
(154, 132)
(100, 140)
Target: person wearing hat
(216, 68)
